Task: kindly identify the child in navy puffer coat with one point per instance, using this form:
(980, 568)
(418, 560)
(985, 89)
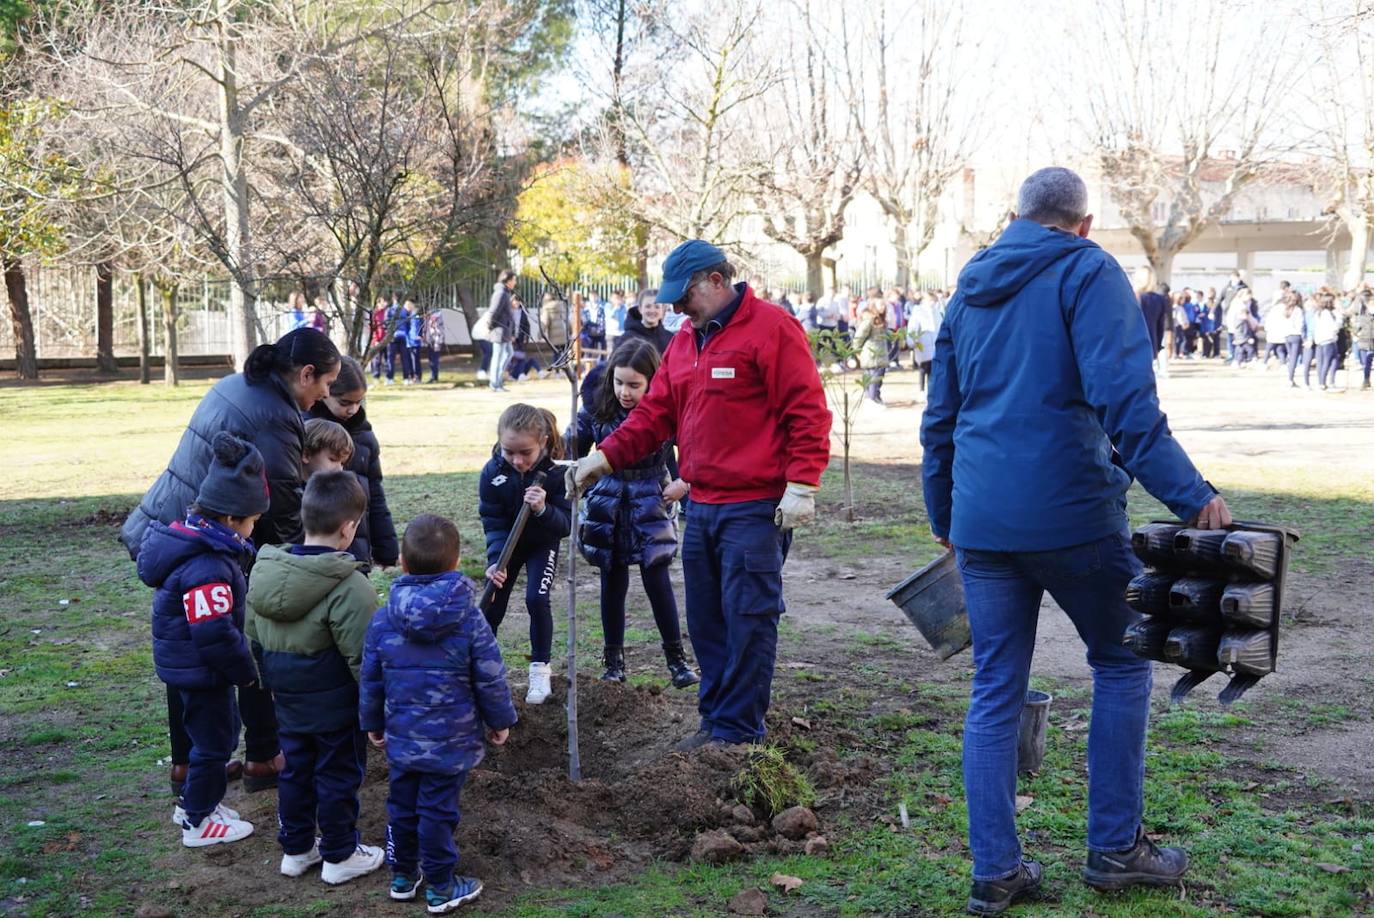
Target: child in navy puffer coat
(528, 443)
(375, 542)
(628, 519)
(432, 684)
(199, 649)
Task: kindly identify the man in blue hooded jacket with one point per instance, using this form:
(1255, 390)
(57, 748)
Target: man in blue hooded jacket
(1042, 408)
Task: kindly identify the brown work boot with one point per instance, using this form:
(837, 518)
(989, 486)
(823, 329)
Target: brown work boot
(262, 775)
(177, 777)
(233, 770)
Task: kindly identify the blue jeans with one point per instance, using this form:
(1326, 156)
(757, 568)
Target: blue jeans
(1294, 345)
(1327, 361)
(1003, 592)
(319, 788)
(732, 557)
(422, 812)
(1366, 361)
(500, 358)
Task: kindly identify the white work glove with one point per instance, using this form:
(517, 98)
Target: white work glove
(586, 472)
(797, 507)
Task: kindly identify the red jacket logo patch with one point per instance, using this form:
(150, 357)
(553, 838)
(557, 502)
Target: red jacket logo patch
(209, 600)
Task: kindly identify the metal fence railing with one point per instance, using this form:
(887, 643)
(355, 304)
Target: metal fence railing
(62, 300)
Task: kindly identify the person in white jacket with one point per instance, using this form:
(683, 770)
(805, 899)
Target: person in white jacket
(922, 324)
(1326, 328)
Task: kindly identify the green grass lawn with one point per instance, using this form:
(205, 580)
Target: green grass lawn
(81, 713)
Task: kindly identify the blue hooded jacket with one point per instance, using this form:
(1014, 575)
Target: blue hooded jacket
(432, 676)
(197, 621)
(1042, 366)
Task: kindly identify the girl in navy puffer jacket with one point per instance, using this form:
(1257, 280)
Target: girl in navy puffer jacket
(628, 520)
(375, 542)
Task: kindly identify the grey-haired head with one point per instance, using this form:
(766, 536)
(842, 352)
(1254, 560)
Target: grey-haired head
(1053, 196)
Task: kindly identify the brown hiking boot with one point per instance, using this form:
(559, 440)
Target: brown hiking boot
(262, 775)
(1142, 864)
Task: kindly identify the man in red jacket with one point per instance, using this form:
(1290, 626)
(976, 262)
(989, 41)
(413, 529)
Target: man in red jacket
(739, 391)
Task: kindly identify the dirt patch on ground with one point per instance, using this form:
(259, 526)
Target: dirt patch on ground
(526, 825)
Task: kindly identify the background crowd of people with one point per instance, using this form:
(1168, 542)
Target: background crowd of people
(1321, 327)
(874, 331)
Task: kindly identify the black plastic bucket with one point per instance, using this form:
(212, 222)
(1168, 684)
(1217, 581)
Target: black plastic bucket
(1030, 740)
(933, 599)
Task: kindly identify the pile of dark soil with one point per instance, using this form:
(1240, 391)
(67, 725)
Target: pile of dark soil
(525, 824)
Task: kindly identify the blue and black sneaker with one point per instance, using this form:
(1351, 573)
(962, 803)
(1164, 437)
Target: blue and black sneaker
(404, 886)
(458, 893)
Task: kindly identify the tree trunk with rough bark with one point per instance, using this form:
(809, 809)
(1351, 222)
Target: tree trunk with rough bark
(815, 273)
(171, 373)
(144, 345)
(21, 320)
(1359, 251)
(243, 333)
(104, 318)
(1162, 262)
(900, 247)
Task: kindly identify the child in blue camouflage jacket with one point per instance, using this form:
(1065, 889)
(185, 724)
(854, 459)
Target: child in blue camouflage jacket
(432, 684)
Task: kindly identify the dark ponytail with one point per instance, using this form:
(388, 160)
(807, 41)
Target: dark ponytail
(295, 349)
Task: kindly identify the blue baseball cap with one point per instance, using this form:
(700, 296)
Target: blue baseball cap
(682, 262)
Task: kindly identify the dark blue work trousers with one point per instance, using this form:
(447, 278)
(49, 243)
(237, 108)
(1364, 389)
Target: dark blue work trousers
(319, 787)
(211, 721)
(732, 557)
(422, 812)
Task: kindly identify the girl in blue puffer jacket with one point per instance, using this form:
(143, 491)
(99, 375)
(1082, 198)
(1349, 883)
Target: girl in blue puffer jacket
(627, 519)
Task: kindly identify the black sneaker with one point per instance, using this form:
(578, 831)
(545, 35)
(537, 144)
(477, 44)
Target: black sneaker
(993, 897)
(1143, 864)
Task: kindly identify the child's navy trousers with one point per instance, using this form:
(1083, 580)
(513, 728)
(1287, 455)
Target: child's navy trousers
(211, 722)
(319, 787)
(732, 557)
(422, 812)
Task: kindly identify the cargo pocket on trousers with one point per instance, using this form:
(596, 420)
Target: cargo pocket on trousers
(762, 582)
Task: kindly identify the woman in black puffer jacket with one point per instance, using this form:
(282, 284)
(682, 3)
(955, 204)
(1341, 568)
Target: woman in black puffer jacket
(627, 519)
(262, 405)
(375, 541)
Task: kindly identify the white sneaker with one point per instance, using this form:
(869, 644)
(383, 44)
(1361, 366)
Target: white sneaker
(214, 830)
(295, 865)
(179, 814)
(481, 375)
(541, 675)
(364, 860)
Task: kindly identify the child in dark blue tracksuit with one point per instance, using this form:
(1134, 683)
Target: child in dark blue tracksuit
(628, 519)
(432, 684)
(199, 648)
(528, 443)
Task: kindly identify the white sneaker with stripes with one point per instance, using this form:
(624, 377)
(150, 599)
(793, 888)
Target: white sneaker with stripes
(214, 829)
(179, 814)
